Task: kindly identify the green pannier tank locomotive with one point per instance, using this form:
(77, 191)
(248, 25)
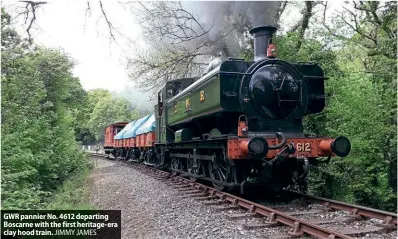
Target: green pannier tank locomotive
(241, 122)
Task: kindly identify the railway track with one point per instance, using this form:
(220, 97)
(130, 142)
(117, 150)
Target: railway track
(317, 217)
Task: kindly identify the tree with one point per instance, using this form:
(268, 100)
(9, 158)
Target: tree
(355, 45)
(361, 103)
(183, 40)
(105, 110)
(373, 27)
(39, 150)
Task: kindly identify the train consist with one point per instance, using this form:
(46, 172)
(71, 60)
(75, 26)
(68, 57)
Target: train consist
(239, 124)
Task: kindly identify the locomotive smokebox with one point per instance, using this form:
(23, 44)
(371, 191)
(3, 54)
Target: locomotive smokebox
(262, 37)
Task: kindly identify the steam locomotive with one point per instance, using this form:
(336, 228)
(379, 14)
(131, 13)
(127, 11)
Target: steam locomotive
(239, 124)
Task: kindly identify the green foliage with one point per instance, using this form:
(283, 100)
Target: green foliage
(310, 51)
(360, 104)
(39, 150)
(45, 112)
(74, 193)
(105, 110)
(355, 112)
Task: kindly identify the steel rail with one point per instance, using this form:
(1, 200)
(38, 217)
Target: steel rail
(389, 218)
(299, 226)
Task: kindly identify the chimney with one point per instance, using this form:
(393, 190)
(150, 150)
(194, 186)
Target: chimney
(262, 36)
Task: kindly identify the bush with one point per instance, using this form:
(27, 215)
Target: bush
(39, 151)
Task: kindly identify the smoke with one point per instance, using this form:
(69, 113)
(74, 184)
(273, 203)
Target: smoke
(260, 13)
(233, 19)
(257, 12)
(185, 36)
(140, 101)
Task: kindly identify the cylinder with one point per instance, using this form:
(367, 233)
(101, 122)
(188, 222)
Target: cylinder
(262, 36)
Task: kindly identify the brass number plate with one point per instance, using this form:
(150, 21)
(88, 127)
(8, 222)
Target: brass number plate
(303, 147)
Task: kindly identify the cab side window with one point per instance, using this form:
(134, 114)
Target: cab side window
(160, 103)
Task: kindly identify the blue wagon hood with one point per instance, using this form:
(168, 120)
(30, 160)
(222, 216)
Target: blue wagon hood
(126, 128)
(132, 131)
(148, 126)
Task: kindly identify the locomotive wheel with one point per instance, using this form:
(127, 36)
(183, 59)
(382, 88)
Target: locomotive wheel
(221, 170)
(175, 164)
(127, 156)
(160, 162)
(141, 158)
(161, 158)
(115, 154)
(193, 170)
(148, 157)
